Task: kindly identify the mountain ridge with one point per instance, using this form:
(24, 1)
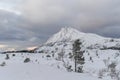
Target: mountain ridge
(68, 34)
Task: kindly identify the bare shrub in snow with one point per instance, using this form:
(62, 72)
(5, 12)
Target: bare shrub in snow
(100, 74)
(91, 59)
(3, 64)
(27, 60)
(80, 69)
(70, 55)
(13, 54)
(68, 66)
(61, 55)
(7, 57)
(48, 56)
(36, 60)
(53, 55)
(111, 40)
(106, 62)
(112, 69)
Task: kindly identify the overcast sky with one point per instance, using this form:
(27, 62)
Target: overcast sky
(36, 20)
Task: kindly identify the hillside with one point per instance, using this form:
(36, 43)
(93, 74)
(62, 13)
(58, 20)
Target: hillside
(98, 50)
(37, 69)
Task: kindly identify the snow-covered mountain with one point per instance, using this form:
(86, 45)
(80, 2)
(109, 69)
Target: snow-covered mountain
(99, 52)
(70, 34)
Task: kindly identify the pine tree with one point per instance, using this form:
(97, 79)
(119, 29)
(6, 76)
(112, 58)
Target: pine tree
(78, 55)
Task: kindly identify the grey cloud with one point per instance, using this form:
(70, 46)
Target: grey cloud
(42, 18)
(83, 13)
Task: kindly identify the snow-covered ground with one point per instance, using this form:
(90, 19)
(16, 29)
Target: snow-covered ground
(38, 68)
(54, 59)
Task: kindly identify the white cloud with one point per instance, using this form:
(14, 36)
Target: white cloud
(10, 5)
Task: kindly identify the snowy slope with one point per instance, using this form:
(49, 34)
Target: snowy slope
(100, 52)
(16, 69)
